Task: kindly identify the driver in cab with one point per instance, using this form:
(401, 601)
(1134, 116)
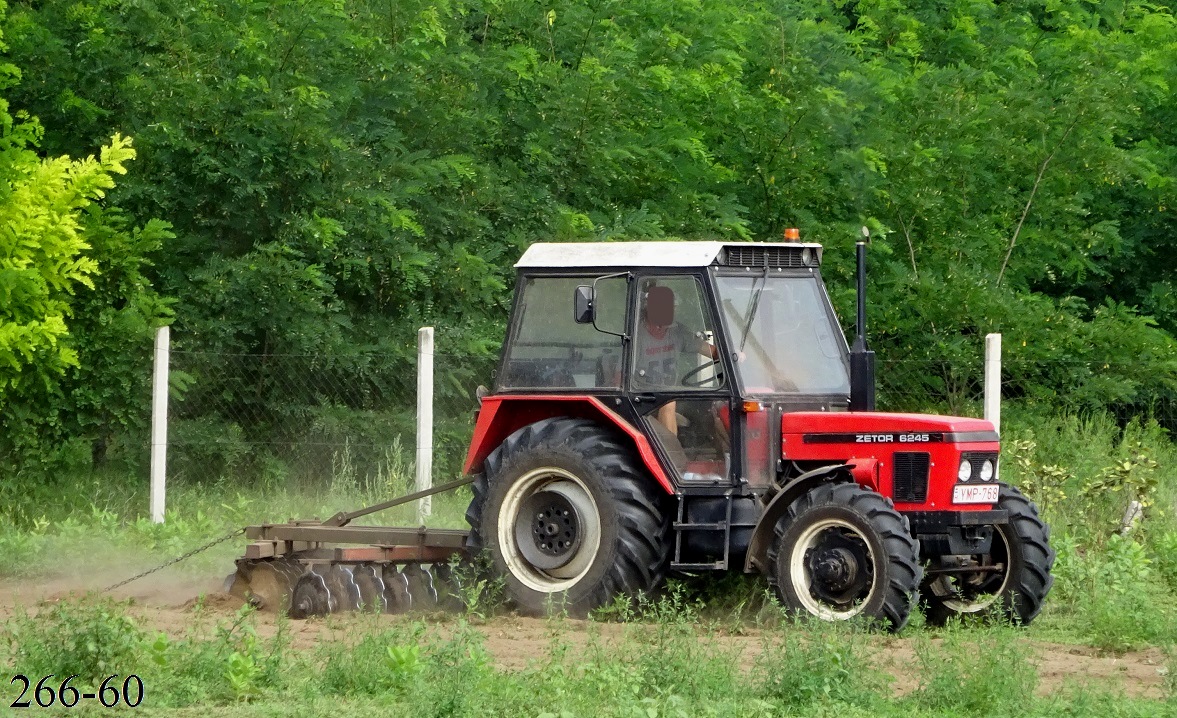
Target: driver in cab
(663, 347)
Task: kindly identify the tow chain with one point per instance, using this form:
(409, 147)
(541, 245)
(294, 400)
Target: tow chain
(232, 534)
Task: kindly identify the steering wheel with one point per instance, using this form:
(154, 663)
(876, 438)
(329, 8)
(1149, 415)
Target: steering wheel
(692, 378)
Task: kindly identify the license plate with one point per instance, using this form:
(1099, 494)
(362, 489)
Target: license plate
(974, 494)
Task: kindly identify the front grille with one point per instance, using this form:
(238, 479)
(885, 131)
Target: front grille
(772, 257)
(910, 476)
(976, 458)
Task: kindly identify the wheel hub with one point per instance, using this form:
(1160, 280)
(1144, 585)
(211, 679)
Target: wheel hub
(839, 567)
(836, 568)
(547, 530)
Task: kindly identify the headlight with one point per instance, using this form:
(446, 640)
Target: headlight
(806, 256)
(987, 470)
(965, 472)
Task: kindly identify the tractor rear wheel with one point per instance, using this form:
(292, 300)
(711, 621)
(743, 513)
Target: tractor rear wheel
(1011, 581)
(569, 518)
(842, 551)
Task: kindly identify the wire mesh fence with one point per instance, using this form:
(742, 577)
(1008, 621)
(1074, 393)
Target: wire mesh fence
(309, 421)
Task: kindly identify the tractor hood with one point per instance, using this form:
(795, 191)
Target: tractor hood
(862, 427)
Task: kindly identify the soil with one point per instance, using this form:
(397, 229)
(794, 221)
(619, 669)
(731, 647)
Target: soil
(175, 604)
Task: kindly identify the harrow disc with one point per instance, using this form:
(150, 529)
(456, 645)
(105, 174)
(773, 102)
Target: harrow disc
(370, 582)
(396, 590)
(449, 587)
(342, 584)
(311, 597)
(422, 592)
(266, 584)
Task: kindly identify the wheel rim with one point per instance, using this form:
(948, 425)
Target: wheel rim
(832, 568)
(558, 567)
(975, 592)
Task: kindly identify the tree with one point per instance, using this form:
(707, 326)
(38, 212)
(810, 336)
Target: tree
(71, 294)
(43, 259)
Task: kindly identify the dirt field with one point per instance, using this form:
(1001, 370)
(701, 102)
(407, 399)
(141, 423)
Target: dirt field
(169, 605)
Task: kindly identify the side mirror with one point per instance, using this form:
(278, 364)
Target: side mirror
(584, 308)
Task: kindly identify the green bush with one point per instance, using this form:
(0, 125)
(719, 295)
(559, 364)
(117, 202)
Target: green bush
(1164, 556)
(1116, 598)
(1119, 621)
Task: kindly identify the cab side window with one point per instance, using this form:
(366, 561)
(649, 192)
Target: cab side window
(673, 339)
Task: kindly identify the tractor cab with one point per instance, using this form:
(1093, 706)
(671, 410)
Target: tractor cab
(701, 344)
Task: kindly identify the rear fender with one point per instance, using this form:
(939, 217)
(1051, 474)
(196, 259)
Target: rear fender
(762, 535)
(501, 416)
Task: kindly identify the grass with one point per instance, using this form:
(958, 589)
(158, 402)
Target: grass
(662, 668)
(103, 520)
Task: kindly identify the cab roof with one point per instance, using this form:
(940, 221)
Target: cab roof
(670, 254)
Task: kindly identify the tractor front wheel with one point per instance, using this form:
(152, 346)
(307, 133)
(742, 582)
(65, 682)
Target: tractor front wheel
(569, 518)
(842, 551)
(1011, 581)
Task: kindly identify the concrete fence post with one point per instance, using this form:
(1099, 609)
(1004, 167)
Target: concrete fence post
(159, 424)
(993, 379)
(993, 386)
(424, 420)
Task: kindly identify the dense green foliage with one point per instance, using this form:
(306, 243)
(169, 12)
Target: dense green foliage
(337, 174)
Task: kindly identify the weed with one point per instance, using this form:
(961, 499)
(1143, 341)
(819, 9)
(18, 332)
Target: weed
(480, 592)
(975, 673)
(673, 606)
(808, 663)
(158, 650)
(402, 662)
(242, 671)
(378, 663)
(92, 638)
(620, 609)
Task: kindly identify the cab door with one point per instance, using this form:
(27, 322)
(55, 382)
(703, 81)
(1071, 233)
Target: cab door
(677, 379)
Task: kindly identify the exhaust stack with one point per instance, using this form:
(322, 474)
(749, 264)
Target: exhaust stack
(862, 359)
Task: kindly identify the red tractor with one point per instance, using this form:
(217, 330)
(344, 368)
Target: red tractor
(682, 407)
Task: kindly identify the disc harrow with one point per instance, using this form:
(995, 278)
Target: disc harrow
(315, 568)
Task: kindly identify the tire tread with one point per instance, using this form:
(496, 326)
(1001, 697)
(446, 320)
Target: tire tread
(642, 547)
(903, 567)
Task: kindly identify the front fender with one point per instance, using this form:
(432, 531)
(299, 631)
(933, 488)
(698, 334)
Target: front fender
(762, 535)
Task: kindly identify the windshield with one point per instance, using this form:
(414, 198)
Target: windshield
(784, 338)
